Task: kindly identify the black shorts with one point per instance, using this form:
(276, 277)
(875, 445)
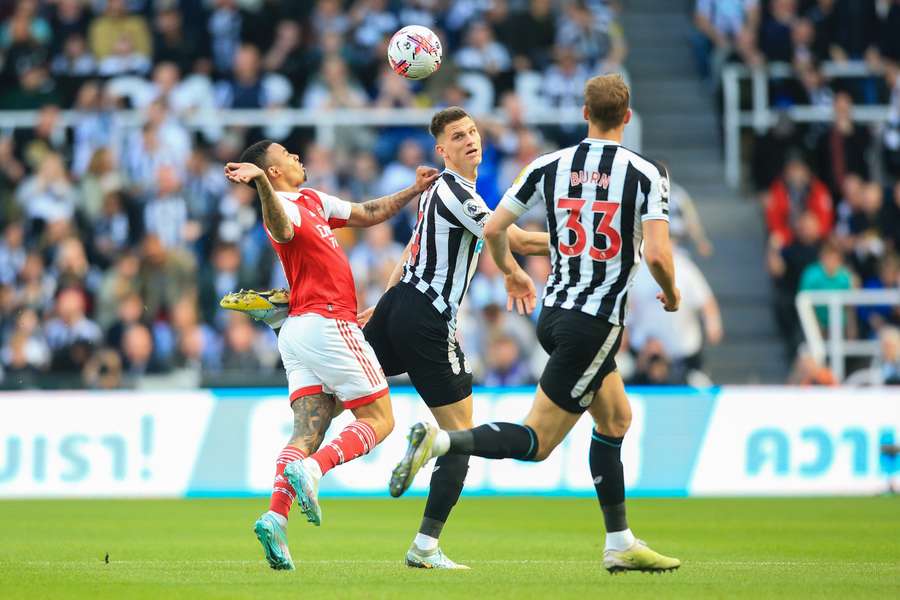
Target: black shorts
(410, 336)
(582, 351)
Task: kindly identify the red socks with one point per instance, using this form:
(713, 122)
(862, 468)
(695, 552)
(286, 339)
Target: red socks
(356, 439)
(282, 493)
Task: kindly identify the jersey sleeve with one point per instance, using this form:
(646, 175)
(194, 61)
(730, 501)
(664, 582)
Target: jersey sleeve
(655, 205)
(337, 211)
(470, 212)
(525, 191)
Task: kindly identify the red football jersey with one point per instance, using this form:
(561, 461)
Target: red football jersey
(315, 264)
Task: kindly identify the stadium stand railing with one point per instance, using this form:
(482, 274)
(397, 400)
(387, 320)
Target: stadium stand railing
(761, 115)
(325, 122)
(837, 347)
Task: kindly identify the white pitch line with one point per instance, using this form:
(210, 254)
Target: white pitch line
(689, 563)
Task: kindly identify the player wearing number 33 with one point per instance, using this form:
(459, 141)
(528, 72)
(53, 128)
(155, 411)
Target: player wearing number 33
(606, 208)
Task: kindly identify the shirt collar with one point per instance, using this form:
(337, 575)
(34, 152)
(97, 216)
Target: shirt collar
(461, 179)
(602, 141)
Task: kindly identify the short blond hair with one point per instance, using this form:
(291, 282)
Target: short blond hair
(606, 98)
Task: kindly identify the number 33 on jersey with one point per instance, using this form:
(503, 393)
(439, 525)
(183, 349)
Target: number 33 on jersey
(596, 195)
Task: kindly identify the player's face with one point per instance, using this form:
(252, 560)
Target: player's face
(288, 165)
(460, 144)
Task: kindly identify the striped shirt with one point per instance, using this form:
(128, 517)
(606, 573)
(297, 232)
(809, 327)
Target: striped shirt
(446, 242)
(596, 194)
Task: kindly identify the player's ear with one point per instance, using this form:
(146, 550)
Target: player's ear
(627, 118)
(440, 150)
(585, 113)
(273, 171)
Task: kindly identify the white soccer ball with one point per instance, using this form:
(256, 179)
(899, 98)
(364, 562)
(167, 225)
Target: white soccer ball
(415, 52)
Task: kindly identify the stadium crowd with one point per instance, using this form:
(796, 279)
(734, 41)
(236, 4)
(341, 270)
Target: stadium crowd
(830, 191)
(119, 236)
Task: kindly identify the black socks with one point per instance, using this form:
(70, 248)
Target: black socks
(495, 440)
(609, 481)
(446, 485)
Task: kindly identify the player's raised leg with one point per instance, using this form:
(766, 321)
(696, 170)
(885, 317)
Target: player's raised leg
(312, 416)
(544, 428)
(612, 418)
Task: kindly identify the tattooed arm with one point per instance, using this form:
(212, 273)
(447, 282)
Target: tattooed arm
(275, 218)
(312, 416)
(381, 209)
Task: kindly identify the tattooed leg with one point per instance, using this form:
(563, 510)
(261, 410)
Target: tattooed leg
(312, 416)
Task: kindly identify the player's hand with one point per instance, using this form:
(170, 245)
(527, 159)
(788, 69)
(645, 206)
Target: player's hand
(521, 292)
(242, 172)
(425, 176)
(365, 315)
(670, 304)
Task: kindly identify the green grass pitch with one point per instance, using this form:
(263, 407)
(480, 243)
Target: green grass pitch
(517, 548)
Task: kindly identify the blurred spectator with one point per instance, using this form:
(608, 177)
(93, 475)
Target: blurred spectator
(653, 366)
(115, 27)
(70, 334)
(482, 52)
(725, 27)
(27, 347)
(683, 333)
(48, 135)
(103, 371)
(245, 88)
(535, 32)
(171, 43)
(793, 194)
(504, 364)
(166, 275)
(786, 264)
(101, 178)
(775, 32)
(563, 84)
(240, 350)
(842, 149)
(48, 195)
(807, 371)
(594, 35)
(224, 28)
(165, 214)
(488, 286)
(684, 221)
(36, 287)
(12, 252)
(137, 351)
(888, 361)
(111, 231)
(828, 273)
(373, 260)
(401, 172)
(890, 139)
(334, 87)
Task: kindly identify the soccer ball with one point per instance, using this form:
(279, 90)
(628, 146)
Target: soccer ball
(415, 52)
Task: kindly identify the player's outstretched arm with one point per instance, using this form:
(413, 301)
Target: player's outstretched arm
(275, 218)
(658, 254)
(381, 209)
(528, 243)
(519, 286)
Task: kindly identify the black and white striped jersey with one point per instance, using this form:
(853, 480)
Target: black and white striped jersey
(596, 195)
(446, 242)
